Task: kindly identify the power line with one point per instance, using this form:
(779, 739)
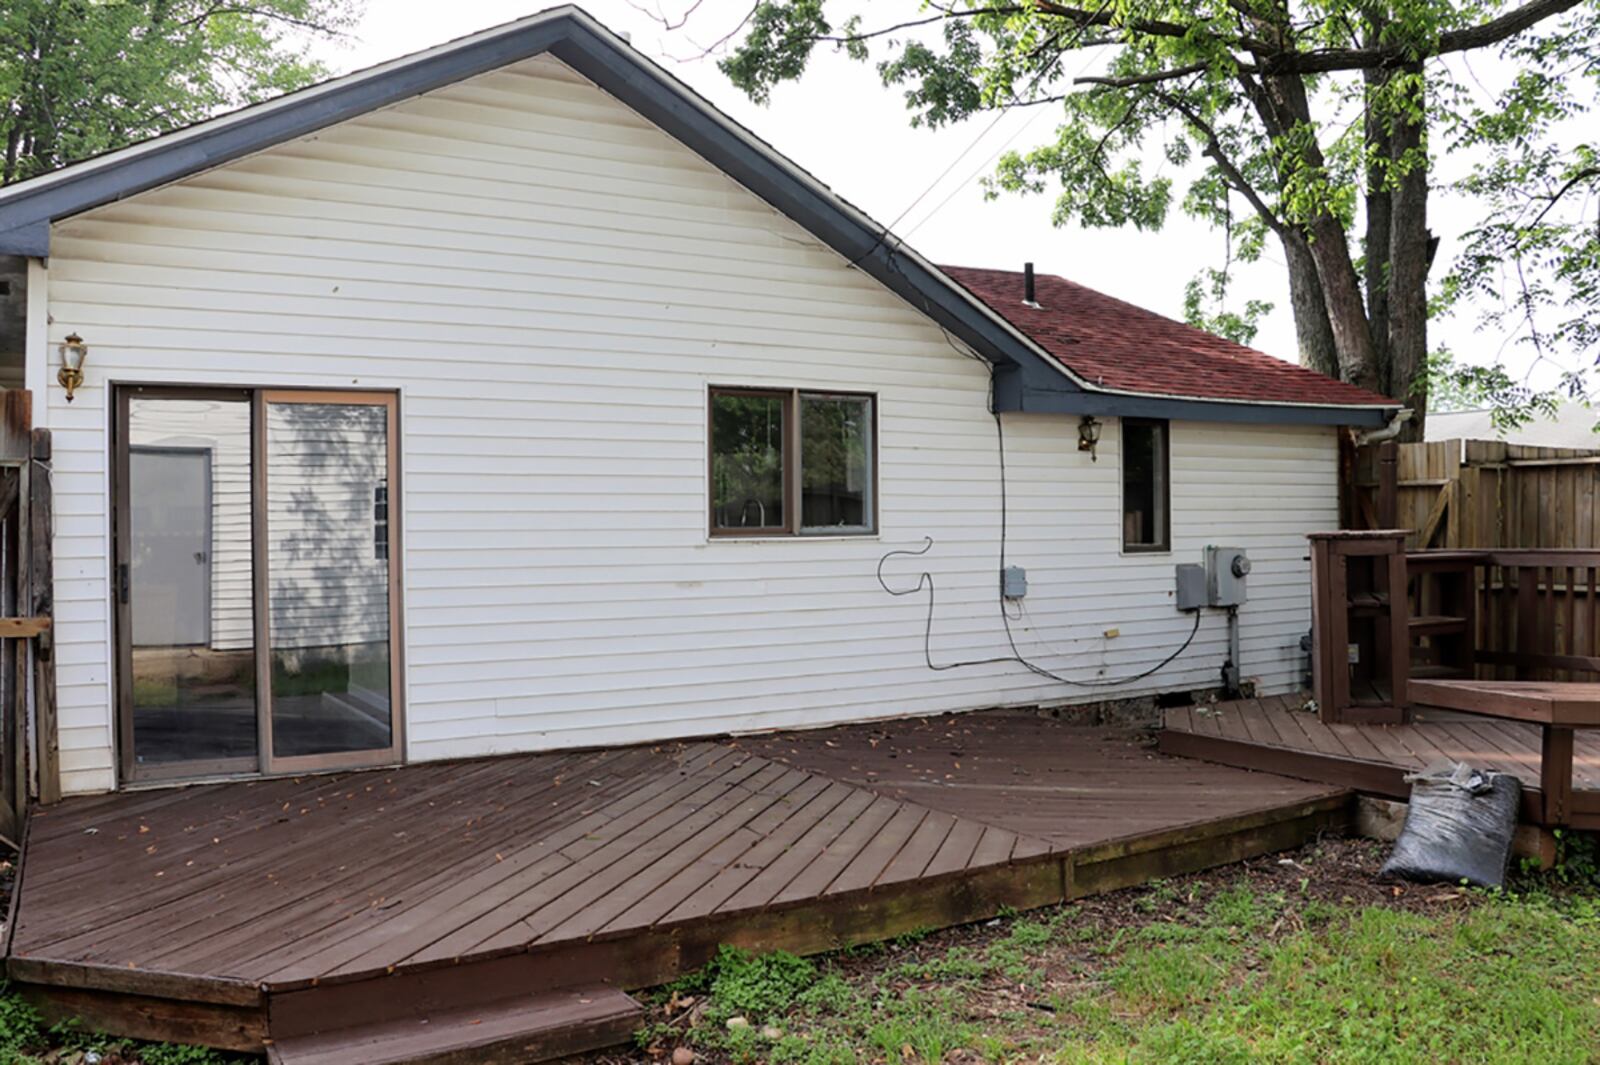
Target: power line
(969, 178)
(1083, 28)
(1020, 130)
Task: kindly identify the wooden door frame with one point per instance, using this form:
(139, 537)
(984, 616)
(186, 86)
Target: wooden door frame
(264, 764)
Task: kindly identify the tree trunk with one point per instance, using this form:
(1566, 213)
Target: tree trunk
(1341, 293)
(1408, 271)
(1284, 109)
(1315, 336)
(1379, 212)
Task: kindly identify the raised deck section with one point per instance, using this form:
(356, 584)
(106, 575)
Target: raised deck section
(1278, 735)
(239, 914)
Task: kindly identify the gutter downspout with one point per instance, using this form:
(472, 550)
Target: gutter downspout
(1388, 432)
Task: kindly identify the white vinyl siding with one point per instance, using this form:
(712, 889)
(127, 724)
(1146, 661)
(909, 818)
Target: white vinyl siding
(552, 285)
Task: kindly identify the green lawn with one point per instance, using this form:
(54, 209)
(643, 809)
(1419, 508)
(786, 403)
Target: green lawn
(1307, 961)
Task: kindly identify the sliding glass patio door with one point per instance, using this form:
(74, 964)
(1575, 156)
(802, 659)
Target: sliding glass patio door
(257, 581)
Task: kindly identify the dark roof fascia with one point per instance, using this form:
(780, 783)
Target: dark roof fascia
(32, 240)
(1014, 393)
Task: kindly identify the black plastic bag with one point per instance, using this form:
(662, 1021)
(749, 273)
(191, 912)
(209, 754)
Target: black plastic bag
(1458, 827)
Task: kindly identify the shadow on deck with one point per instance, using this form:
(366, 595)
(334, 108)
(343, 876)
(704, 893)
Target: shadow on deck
(289, 913)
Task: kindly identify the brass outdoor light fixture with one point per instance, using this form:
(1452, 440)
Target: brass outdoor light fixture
(73, 352)
(1089, 436)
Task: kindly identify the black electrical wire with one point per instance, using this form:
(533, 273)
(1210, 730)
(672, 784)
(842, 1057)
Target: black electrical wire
(925, 581)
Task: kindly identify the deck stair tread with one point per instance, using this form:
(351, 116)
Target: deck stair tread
(528, 1028)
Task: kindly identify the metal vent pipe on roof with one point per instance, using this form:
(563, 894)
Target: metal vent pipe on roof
(1027, 285)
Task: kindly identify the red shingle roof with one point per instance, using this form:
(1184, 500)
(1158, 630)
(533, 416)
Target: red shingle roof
(1117, 345)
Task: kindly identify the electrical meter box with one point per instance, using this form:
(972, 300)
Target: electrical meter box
(1191, 586)
(1226, 570)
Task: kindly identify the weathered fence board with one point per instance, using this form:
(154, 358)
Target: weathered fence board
(1478, 493)
(1487, 494)
(29, 748)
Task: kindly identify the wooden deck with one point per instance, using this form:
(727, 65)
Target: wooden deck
(268, 912)
(1277, 735)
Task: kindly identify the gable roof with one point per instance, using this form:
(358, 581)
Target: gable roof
(1117, 345)
(1027, 376)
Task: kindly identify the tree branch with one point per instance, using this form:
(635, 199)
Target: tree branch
(1572, 182)
(1153, 78)
(1492, 32)
(1215, 152)
(1272, 58)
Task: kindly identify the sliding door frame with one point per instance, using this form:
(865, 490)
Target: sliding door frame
(265, 763)
(121, 593)
(271, 763)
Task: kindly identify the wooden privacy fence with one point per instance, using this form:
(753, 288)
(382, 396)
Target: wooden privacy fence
(1476, 493)
(29, 756)
(1509, 585)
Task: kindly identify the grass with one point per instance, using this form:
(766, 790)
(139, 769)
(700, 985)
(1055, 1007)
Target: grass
(1309, 961)
(25, 1039)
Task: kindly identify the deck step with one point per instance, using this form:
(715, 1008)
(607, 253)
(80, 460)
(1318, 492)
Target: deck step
(529, 1028)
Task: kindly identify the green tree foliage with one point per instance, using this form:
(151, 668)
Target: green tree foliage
(80, 77)
(1315, 123)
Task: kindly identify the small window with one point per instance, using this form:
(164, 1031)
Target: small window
(1145, 489)
(380, 522)
(786, 462)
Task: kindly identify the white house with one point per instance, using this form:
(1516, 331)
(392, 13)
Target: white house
(507, 396)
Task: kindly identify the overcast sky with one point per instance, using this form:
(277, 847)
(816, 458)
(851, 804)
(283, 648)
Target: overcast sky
(841, 124)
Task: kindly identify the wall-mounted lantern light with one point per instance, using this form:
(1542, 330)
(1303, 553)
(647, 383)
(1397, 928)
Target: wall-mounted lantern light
(73, 352)
(1089, 436)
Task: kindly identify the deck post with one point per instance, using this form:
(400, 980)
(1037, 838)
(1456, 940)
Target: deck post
(1388, 485)
(1398, 656)
(1555, 773)
(1360, 625)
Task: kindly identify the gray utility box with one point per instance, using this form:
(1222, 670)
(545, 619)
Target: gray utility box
(1014, 582)
(1191, 586)
(1226, 570)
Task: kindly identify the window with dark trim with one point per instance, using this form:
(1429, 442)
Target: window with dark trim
(1146, 488)
(787, 462)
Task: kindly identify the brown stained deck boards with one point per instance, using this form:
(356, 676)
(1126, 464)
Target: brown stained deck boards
(223, 893)
(1335, 752)
(1032, 774)
(335, 876)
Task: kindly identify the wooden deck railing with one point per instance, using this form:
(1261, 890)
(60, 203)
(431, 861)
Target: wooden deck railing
(1505, 614)
(1514, 615)
(1512, 634)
